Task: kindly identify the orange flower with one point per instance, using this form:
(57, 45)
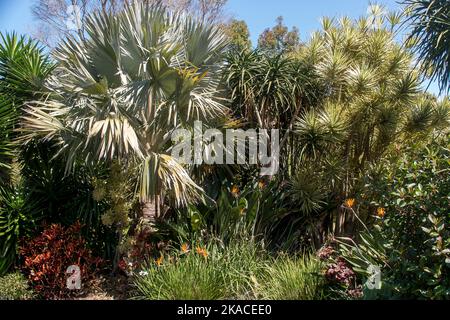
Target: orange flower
(184, 248)
(235, 190)
(349, 203)
(160, 260)
(202, 252)
(381, 212)
(261, 184)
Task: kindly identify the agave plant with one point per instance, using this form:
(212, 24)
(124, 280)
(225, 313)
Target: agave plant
(118, 94)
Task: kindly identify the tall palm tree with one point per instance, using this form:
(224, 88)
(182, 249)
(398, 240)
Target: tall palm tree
(430, 36)
(118, 95)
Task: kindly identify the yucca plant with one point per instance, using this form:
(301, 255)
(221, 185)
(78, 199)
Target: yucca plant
(23, 68)
(120, 93)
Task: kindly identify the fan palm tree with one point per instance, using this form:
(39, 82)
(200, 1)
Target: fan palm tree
(430, 37)
(118, 95)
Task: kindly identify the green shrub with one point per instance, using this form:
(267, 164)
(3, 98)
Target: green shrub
(245, 209)
(410, 239)
(297, 278)
(188, 279)
(14, 286)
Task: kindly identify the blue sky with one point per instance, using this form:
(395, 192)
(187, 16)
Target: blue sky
(15, 15)
(259, 14)
(305, 14)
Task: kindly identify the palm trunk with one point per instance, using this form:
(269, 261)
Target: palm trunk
(150, 210)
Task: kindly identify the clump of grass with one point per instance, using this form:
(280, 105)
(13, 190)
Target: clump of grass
(187, 279)
(210, 273)
(14, 286)
(289, 278)
(237, 271)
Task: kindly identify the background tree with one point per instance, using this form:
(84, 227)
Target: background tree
(279, 39)
(207, 10)
(53, 16)
(239, 35)
(430, 37)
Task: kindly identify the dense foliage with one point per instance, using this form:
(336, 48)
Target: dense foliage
(18, 216)
(409, 198)
(86, 168)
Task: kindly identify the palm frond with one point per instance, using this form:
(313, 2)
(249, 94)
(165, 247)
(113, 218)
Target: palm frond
(162, 173)
(430, 37)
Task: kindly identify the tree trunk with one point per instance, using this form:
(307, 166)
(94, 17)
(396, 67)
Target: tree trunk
(150, 211)
(153, 210)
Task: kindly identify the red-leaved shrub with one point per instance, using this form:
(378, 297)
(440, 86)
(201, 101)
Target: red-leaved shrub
(47, 257)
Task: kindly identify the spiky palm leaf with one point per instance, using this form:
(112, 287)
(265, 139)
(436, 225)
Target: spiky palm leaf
(5, 132)
(23, 66)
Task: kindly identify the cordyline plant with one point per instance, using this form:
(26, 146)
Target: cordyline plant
(372, 104)
(118, 95)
